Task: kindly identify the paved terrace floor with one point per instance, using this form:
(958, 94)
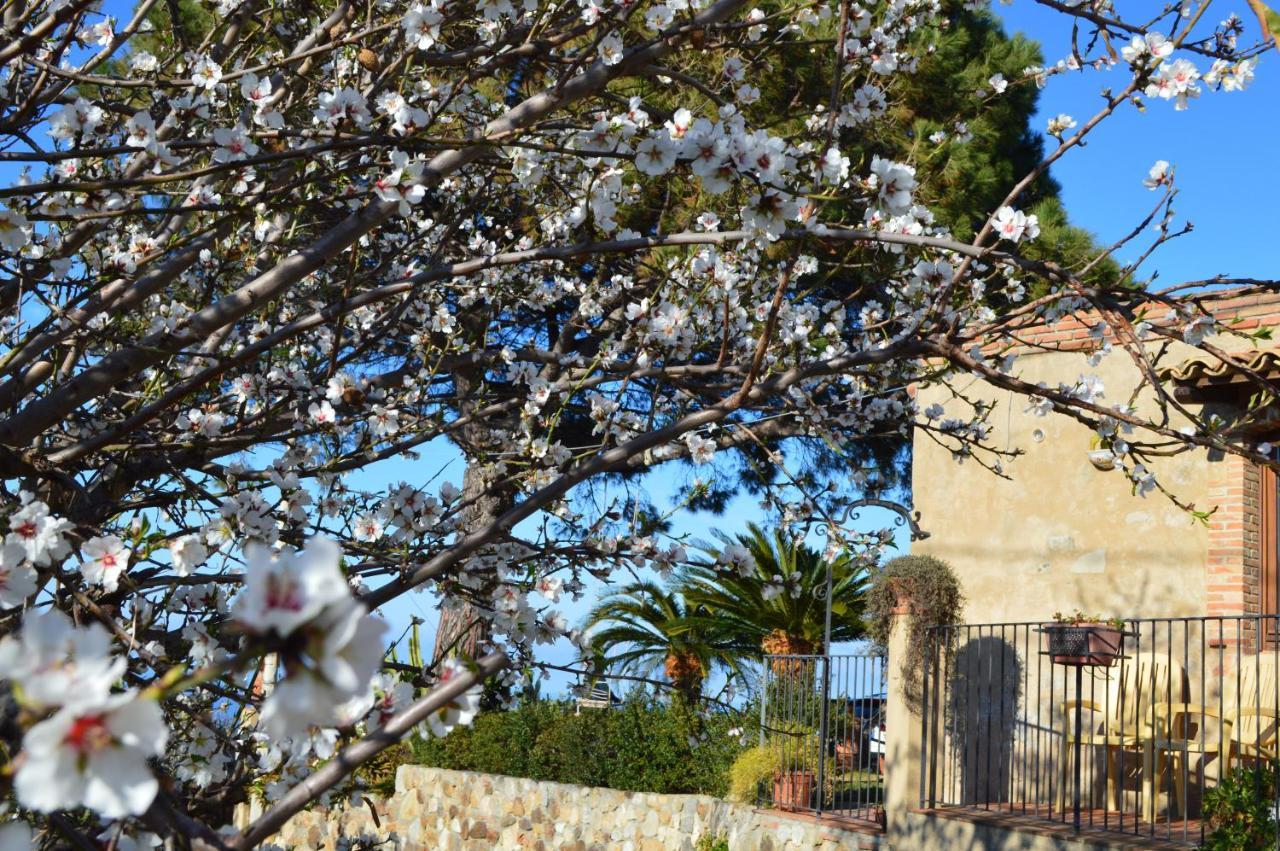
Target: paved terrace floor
(1115, 830)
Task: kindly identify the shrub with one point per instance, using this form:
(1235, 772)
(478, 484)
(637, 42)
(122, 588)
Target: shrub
(707, 842)
(752, 769)
(755, 768)
(1240, 810)
(642, 746)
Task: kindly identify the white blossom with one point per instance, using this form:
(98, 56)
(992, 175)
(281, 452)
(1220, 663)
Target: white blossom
(93, 755)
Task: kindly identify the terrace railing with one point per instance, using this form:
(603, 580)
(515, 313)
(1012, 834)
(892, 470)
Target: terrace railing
(1130, 747)
(823, 716)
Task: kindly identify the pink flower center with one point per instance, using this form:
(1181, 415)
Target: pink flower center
(282, 594)
(88, 733)
(25, 529)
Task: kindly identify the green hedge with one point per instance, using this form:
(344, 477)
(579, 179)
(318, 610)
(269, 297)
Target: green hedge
(641, 746)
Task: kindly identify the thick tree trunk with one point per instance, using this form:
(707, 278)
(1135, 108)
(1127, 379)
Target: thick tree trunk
(461, 629)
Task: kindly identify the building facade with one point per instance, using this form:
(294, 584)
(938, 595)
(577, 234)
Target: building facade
(1056, 533)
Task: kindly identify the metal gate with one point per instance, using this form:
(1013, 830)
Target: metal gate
(823, 718)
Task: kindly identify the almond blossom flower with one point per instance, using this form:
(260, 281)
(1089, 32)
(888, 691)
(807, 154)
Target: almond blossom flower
(144, 62)
(14, 232)
(461, 710)
(322, 412)
(403, 186)
(1149, 49)
(1232, 76)
(18, 579)
(100, 33)
(52, 662)
(1159, 175)
(679, 124)
(655, 155)
(200, 423)
(384, 422)
(75, 119)
(233, 144)
(768, 212)
(391, 696)
(284, 591)
(1013, 224)
(93, 755)
(422, 25)
(343, 653)
(1060, 124)
(105, 558)
(894, 183)
(344, 104)
(187, 553)
(701, 450)
(205, 72)
(1175, 81)
(41, 535)
(611, 50)
(142, 132)
(834, 166)
(551, 587)
(367, 528)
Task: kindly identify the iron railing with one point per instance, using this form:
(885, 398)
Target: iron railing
(1131, 746)
(823, 717)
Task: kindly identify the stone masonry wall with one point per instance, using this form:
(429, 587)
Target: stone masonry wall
(461, 811)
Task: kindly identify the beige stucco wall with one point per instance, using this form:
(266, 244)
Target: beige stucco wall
(1059, 534)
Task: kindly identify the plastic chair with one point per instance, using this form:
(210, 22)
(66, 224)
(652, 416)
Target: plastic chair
(1124, 722)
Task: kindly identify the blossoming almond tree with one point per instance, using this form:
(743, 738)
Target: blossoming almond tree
(245, 256)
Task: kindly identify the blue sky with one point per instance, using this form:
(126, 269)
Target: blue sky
(1224, 147)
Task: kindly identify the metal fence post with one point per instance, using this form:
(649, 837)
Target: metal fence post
(823, 721)
(764, 697)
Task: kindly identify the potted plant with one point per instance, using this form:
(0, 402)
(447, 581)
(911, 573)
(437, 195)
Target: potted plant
(1084, 639)
(793, 786)
(789, 767)
(928, 591)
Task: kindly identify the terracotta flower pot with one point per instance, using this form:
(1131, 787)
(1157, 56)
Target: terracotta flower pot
(1083, 643)
(793, 790)
(903, 591)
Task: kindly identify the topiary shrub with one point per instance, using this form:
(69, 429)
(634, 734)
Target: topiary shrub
(936, 599)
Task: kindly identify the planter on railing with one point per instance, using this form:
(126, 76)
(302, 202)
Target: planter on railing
(1083, 644)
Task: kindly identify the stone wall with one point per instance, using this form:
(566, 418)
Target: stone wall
(461, 811)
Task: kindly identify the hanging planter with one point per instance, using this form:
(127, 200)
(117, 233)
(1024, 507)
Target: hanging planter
(1084, 640)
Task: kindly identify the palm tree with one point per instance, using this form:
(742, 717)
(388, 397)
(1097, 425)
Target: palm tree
(644, 627)
(776, 604)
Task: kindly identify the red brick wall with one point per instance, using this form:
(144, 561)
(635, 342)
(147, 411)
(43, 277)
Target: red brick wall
(1233, 572)
(1242, 312)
